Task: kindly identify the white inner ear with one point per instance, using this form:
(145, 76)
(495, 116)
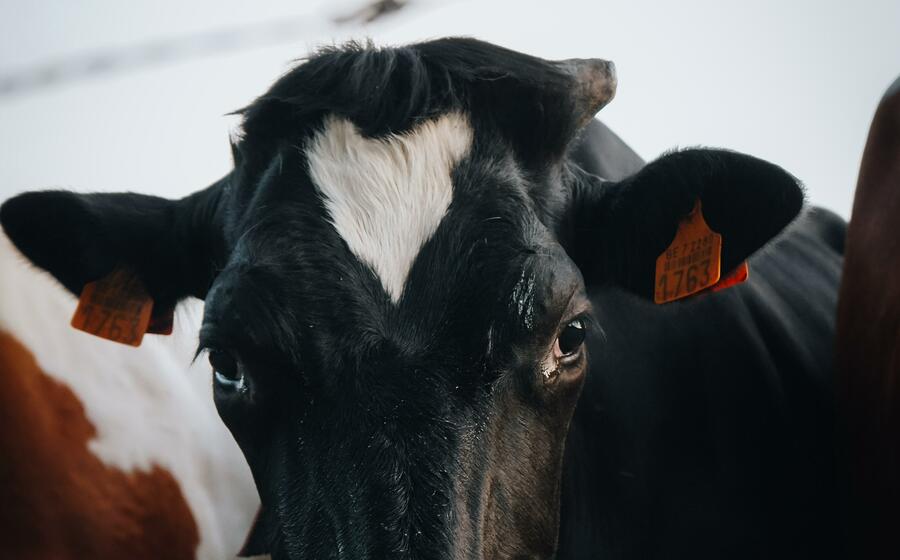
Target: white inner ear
(387, 196)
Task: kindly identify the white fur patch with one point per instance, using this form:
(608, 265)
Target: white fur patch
(387, 196)
(149, 405)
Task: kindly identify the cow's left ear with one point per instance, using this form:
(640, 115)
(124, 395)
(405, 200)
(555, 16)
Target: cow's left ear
(79, 238)
(615, 231)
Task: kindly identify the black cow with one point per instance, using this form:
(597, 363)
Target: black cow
(416, 270)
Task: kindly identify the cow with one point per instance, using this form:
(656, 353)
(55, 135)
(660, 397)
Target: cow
(867, 349)
(431, 283)
(108, 451)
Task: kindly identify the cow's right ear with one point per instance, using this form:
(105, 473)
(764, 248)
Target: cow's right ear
(615, 231)
(78, 238)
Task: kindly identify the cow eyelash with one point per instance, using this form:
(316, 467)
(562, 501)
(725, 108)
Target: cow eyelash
(226, 367)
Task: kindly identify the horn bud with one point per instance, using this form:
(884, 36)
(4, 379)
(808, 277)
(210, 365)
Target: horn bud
(595, 85)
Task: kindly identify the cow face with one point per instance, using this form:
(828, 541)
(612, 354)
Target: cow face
(396, 276)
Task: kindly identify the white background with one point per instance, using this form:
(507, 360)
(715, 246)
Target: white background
(792, 82)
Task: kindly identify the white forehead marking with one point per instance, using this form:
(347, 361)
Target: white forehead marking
(387, 196)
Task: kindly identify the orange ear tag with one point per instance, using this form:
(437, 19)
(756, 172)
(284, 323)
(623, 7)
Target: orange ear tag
(116, 308)
(738, 276)
(693, 261)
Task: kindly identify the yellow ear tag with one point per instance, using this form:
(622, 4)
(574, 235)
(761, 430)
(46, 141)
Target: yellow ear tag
(116, 308)
(693, 261)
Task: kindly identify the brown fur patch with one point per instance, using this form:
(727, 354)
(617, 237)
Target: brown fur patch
(57, 500)
(868, 344)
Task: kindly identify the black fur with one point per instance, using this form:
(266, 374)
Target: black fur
(428, 428)
(390, 90)
(746, 200)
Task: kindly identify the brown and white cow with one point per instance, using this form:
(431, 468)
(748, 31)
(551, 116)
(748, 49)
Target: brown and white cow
(107, 451)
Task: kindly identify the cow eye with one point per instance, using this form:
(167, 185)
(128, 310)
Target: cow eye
(225, 369)
(570, 340)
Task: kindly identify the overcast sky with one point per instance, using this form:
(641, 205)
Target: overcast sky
(792, 82)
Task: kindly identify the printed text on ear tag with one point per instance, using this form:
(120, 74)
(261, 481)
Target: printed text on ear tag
(692, 262)
(116, 307)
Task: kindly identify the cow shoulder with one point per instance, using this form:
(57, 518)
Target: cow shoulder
(717, 408)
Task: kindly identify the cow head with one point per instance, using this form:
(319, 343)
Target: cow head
(396, 276)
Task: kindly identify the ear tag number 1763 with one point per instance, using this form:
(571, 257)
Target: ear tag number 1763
(116, 308)
(692, 262)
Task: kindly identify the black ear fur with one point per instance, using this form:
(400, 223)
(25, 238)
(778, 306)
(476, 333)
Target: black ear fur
(58, 231)
(615, 231)
(82, 237)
